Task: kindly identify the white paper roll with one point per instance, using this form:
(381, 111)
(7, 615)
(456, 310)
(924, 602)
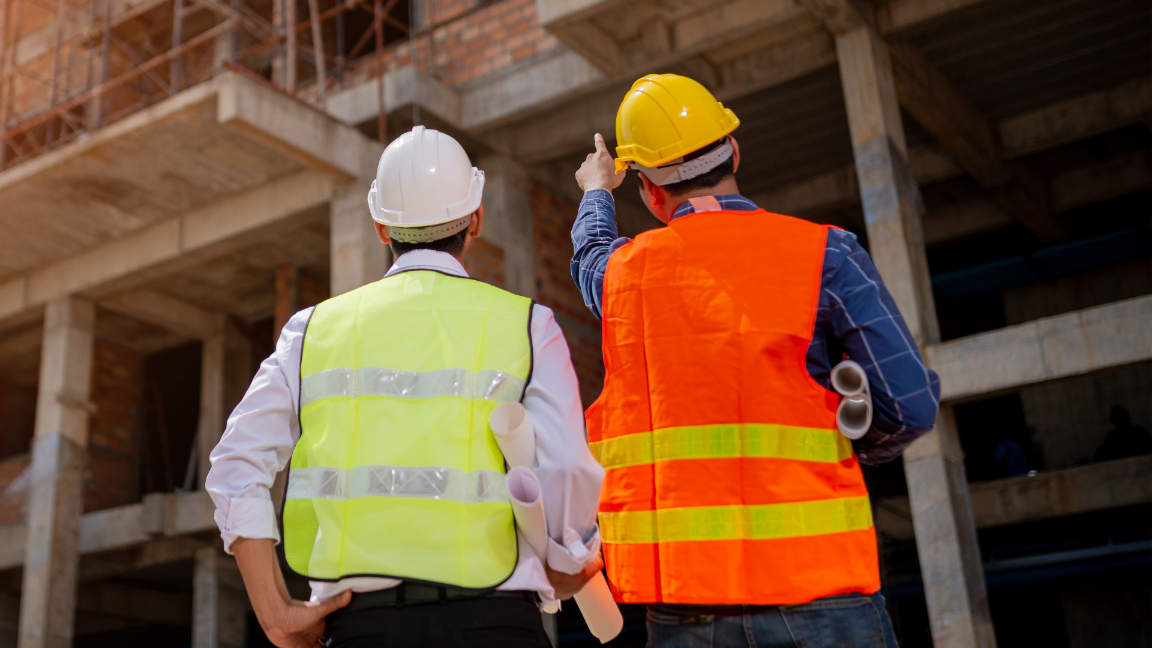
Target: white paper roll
(599, 610)
(528, 508)
(514, 434)
(854, 414)
(849, 379)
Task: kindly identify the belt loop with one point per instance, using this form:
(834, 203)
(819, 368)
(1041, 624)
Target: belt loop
(400, 596)
(443, 592)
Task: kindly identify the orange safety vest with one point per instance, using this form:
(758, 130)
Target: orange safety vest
(726, 480)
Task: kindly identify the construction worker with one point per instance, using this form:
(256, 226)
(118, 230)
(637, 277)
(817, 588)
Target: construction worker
(395, 506)
(731, 504)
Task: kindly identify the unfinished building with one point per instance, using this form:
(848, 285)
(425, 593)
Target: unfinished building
(178, 176)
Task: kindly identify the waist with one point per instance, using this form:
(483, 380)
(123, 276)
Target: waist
(416, 594)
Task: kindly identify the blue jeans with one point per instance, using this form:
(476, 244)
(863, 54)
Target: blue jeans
(845, 621)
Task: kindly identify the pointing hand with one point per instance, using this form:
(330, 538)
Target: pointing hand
(598, 170)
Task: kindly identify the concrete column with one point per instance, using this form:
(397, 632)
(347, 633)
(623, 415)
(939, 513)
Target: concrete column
(358, 257)
(212, 387)
(893, 209)
(55, 499)
(508, 221)
(219, 603)
(225, 371)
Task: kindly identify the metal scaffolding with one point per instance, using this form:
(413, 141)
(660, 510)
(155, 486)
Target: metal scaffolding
(110, 59)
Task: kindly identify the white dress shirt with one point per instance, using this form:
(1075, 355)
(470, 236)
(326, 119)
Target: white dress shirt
(264, 428)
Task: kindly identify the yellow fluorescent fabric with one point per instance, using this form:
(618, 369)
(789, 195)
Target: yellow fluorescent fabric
(745, 440)
(765, 522)
(397, 472)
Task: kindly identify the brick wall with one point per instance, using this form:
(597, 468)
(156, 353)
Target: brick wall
(117, 392)
(552, 219)
(485, 262)
(13, 488)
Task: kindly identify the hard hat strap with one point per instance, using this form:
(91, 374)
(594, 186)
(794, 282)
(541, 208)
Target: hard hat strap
(679, 171)
(430, 233)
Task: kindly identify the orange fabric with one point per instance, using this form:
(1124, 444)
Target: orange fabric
(708, 322)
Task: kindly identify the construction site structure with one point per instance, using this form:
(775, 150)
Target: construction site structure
(177, 177)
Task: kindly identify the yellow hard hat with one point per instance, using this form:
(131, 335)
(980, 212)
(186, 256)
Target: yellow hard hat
(665, 117)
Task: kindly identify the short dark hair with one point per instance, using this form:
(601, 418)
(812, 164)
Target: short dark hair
(707, 180)
(453, 245)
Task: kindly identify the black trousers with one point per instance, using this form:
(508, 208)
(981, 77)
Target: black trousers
(478, 623)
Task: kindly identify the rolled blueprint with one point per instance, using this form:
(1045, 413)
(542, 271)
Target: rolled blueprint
(514, 434)
(599, 610)
(528, 507)
(854, 415)
(517, 440)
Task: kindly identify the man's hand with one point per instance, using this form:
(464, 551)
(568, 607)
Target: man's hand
(566, 585)
(300, 624)
(286, 622)
(599, 169)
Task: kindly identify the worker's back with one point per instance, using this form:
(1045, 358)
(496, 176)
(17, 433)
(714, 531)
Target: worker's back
(395, 473)
(727, 481)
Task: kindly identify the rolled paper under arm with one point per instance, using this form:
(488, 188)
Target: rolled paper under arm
(514, 434)
(600, 611)
(517, 440)
(528, 508)
(854, 414)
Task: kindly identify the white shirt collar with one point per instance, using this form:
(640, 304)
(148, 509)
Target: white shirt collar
(428, 260)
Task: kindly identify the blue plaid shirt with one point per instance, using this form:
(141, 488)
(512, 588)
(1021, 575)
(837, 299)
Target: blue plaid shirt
(856, 315)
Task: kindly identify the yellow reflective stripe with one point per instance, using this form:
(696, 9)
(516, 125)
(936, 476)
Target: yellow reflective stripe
(766, 522)
(759, 440)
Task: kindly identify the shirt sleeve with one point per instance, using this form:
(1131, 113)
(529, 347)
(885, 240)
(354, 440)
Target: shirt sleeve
(258, 441)
(594, 239)
(569, 476)
(861, 317)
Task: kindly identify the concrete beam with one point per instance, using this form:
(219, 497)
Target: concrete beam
(160, 515)
(1076, 119)
(205, 232)
(929, 97)
(1046, 349)
(1101, 181)
(55, 495)
(166, 312)
(403, 87)
(536, 86)
(1055, 493)
(291, 127)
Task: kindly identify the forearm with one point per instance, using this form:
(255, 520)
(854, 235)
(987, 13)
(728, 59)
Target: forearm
(262, 578)
(594, 237)
(864, 318)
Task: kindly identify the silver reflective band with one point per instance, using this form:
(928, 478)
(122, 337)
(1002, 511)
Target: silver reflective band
(397, 481)
(489, 384)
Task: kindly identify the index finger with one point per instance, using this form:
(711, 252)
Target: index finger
(601, 147)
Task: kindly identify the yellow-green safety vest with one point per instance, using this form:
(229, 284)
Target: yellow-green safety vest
(397, 473)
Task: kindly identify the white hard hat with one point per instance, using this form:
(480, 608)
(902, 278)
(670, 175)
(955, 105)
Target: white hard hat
(425, 179)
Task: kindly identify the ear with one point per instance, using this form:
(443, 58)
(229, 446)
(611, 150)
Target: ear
(656, 194)
(735, 154)
(477, 223)
(382, 233)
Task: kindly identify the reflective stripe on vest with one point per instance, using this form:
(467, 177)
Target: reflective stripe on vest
(717, 441)
(726, 481)
(396, 473)
(791, 520)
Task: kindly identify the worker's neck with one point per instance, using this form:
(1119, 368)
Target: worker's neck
(723, 188)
